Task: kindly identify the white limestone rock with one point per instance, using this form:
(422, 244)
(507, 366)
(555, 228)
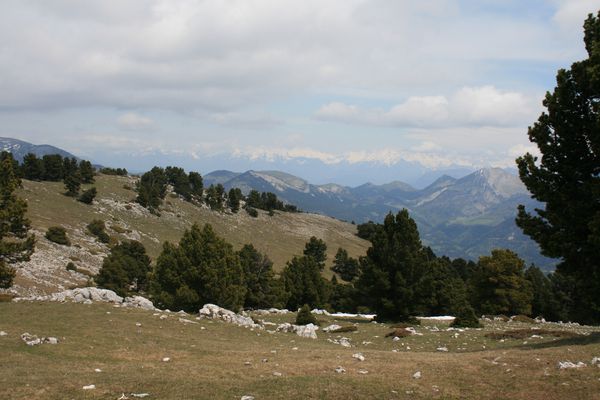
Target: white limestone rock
(212, 311)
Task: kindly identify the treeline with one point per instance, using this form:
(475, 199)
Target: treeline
(398, 279)
(152, 189)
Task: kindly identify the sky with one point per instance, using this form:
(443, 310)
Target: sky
(331, 86)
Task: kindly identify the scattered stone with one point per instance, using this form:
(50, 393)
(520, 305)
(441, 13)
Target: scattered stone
(340, 370)
(166, 359)
(277, 373)
(596, 361)
(163, 316)
(139, 302)
(569, 364)
(247, 398)
(417, 375)
(358, 356)
(363, 371)
(212, 311)
(306, 331)
(2, 333)
(442, 349)
(318, 311)
(33, 340)
(89, 387)
(97, 370)
(247, 363)
(138, 324)
(140, 395)
(90, 295)
(332, 327)
(187, 321)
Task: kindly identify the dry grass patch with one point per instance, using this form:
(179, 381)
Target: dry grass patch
(527, 333)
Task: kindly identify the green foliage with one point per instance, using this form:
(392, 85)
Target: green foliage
(317, 249)
(32, 168)
(262, 290)
(58, 234)
(304, 283)
(215, 195)
(69, 166)
(367, 230)
(88, 196)
(15, 243)
(202, 269)
(126, 267)
(465, 317)
(72, 184)
(394, 280)
(343, 297)
(347, 267)
(71, 266)
(180, 181)
(196, 185)
(233, 199)
(113, 171)
(252, 212)
(567, 177)
(86, 170)
(305, 317)
(267, 201)
(500, 286)
(98, 229)
(53, 167)
(152, 188)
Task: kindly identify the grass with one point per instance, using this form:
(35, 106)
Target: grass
(208, 359)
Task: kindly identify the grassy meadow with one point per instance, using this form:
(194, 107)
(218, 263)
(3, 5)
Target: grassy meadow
(214, 360)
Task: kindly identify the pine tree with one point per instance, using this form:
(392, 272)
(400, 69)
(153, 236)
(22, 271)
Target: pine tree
(53, 167)
(395, 276)
(317, 249)
(202, 269)
(305, 317)
(567, 177)
(72, 184)
(32, 168)
(152, 188)
(196, 185)
(234, 198)
(500, 284)
(126, 266)
(88, 196)
(261, 287)
(344, 265)
(86, 171)
(15, 243)
(304, 283)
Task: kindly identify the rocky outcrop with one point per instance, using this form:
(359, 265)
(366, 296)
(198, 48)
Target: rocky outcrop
(212, 311)
(306, 331)
(90, 295)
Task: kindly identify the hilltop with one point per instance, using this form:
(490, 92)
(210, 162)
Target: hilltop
(281, 236)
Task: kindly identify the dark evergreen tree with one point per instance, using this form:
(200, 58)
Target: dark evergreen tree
(69, 166)
(304, 283)
(32, 168)
(234, 198)
(58, 234)
(180, 181)
(202, 269)
(305, 317)
(86, 170)
(394, 278)
(15, 242)
(367, 230)
(196, 185)
(98, 229)
(567, 177)
(72, 184)
(125, 268)
(317, 249)
(253, 200)
(262, 290)
(344, 297)
(347, 267)
(152, 188)
(215, 196)
(500, 285)
(88, 196)
(53, 167)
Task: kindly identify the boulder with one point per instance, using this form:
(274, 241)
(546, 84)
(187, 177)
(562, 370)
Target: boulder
(139, 302)
(332, 327)
(307, 331)
(212, 311)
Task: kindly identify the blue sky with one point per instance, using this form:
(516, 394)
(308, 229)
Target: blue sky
(256, 83)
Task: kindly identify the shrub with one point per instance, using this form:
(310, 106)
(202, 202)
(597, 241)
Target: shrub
(305, 317)
(252, 212)
(71, 267)
(58, 235)
(88, 196)
(400, 332)
(97, 228)
(522, 318)
(466, 318)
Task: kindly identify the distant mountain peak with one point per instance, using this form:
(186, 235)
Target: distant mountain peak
(20, 149)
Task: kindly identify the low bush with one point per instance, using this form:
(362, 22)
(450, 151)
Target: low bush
(305, 317)
(522, 318)
(58, 235)
(252, 212)
(88, 196)
(97, 228)
(71, 267)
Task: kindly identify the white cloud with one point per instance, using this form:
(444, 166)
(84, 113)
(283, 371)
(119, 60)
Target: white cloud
(135, 122)
(571, 13)
(469, 106)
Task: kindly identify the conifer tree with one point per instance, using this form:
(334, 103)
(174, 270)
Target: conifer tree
(262, 290)
(317, 249)
(32, 168)
(344, 265)
(72, 184)
(304, 283)
(126, 266)
(86, 171)
(566, 179)
(234, 198)
(152, 188)
(15, 242)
